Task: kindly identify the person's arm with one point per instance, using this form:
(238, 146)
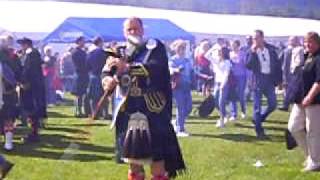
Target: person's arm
(173, 69)
(315, 89)
(156, 65)
(226, 74)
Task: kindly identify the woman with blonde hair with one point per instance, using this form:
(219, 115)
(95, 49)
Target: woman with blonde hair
(304, 122)
(181, 77)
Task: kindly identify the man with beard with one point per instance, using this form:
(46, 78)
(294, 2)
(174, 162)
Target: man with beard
(143, 115)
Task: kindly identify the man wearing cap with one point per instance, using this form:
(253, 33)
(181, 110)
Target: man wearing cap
(32, 89)
(81, 78)
(143, 116)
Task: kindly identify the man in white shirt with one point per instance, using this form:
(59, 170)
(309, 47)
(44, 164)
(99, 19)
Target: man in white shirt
(291, 57)
(266, 68)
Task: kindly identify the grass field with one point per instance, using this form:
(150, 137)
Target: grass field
(77, 149)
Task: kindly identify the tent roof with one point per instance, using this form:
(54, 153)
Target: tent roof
(44, 16)
(111, 29)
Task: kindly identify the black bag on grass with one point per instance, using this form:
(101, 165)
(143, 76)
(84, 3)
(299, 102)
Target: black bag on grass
(206, 107)
(290, 141)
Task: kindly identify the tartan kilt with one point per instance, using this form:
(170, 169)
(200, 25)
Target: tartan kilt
(33, 102)
(164, 143)
(10, 108)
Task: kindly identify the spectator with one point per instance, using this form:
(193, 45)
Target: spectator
(81, 77)
(239, 70)
(203, 69)
(67, 70)
(95, 62)
(266, 68)
(304, 122)
(222, 68)
(49, 73)
(288, 57)
(181, 77)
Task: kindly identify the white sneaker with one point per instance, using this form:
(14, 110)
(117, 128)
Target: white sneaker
(182, 134)
(8, 144)
(220, 123)
(243, 116)
(232, 118)
(225, 120)
(310, 168)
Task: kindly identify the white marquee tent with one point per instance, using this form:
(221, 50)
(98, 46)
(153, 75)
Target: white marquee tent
(45, 16)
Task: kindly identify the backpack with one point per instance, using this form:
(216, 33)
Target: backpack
(206, 107)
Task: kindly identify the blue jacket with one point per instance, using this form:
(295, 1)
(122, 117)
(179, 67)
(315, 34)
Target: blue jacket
(96, 59)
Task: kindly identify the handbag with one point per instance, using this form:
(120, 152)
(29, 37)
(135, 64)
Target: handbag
(175, 80)
(206, 107)
(290, 141)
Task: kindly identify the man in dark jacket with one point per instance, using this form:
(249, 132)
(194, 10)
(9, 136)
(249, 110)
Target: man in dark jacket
(11, 73)
(96, 59)
(81, 78)
(148, 102)
(286, 57)
(266, 68)
(32, 88)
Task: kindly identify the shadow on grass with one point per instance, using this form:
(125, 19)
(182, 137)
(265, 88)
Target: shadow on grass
(276, 122)
(58, 146)
(66, 130)
(209, 121)
(52, 114)
(265, 127)
(67, 102)
(90, 124)
(84, 124)
(239, 137)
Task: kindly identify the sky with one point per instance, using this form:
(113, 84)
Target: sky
(45, 16)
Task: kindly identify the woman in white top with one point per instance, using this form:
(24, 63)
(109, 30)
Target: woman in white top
(222, 69)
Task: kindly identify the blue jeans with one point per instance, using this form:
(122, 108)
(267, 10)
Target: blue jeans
(50, 91)
(94, 93)
(221, 97)
(240, 90)
(183, 101)
(260, 115)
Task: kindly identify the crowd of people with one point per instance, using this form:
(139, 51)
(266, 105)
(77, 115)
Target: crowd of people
(151, 77)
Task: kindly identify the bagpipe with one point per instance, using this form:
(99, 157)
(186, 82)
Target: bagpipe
(123, 53)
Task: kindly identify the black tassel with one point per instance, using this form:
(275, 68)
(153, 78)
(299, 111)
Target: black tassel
(127, 144)
(137, 143)
(146, 146)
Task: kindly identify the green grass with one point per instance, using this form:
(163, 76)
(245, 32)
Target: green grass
(76, 149)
